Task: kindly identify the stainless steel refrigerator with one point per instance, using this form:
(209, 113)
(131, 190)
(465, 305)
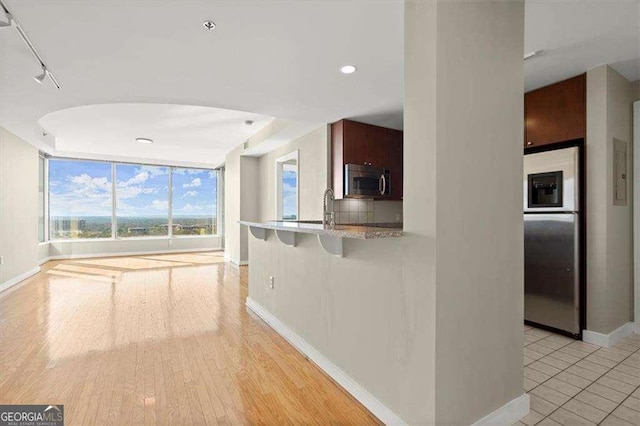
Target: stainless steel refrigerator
(552, 239)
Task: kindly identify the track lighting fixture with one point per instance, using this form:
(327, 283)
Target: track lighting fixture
(13, 23)
(7, 24)
(40, 77)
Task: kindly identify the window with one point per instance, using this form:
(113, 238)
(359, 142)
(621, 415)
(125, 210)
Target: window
(287, 187)
(80, 204)
(194, 201)
(41, 200)
(150, 201)
(142, 200)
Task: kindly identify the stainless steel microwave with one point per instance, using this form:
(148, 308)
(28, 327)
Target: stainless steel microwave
(362, 181)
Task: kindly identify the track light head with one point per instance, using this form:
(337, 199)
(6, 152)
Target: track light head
(9, 22)
(40, 77)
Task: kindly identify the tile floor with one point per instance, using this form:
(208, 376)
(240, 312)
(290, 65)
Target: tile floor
(575, 383)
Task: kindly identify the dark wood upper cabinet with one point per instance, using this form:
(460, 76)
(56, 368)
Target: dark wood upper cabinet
(358, 143)
(556, 113)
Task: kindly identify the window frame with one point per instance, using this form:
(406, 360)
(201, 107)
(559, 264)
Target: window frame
(44, 163)
(114, 219)
(293, 155)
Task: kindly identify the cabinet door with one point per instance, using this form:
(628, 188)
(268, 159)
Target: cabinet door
(377, 148)
(356, 138)
(556, 113)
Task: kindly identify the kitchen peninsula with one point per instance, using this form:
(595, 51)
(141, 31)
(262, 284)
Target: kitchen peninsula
(330, 237)
(319, 287)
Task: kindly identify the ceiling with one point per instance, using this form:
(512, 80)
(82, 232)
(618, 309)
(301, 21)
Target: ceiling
(576, 36)
(183, 134)
(269, 58)
(274, 58)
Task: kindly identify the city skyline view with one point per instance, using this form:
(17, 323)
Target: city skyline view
(83, 188)
(81, 200)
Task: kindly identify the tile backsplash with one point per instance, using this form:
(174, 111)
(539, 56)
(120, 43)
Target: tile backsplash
(359, 210)
(354, 211)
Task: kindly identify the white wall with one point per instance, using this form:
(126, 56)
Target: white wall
(479, 237)
(369, 313)
(438, 317)
(249, 200)
(635, 95)
(609, 226)
(241, 203)
(636, 205)
(232, 229)
(313, 167)
(18, 206)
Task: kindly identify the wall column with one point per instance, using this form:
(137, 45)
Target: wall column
(241, 203)
(609, 223)
(463, 173)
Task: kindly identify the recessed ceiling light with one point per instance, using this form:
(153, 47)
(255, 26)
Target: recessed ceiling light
(209, 25)
(348, 69)
(144, 140)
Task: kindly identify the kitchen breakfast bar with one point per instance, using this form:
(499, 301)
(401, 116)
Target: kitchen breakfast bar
(337, 293)
(329, 236)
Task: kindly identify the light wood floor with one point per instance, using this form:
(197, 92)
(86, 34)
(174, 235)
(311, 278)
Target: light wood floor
(158, 340)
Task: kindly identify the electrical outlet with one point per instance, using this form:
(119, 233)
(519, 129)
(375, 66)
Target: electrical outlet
(271, 282)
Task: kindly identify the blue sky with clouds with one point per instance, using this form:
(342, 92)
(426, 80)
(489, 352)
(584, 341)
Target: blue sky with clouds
(83, 188)
(194, 192)
(79, 188)
(289, 193)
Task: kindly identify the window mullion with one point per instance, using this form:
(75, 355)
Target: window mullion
(114, 220)
(170, 212)
(45, 188)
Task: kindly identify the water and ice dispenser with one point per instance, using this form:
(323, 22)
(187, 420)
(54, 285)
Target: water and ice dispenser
(545, 189)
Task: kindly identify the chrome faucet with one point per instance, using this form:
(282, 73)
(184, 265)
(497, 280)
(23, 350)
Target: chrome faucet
(328, 196)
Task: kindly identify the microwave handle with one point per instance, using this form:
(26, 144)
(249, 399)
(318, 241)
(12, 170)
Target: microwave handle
(384, 184)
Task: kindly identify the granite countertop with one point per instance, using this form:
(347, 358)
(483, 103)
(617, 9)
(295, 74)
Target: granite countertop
(358, 231)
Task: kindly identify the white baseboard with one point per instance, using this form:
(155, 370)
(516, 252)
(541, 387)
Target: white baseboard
(121, 254)
(608, 340)
(236, 262)
(508, 414)
(15, 280)
(358, 392)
